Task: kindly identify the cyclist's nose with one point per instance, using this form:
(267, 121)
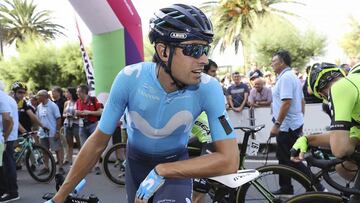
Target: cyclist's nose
(204, 59)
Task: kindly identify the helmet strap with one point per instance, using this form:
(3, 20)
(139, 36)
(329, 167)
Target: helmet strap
(177, 82)
(167, 67)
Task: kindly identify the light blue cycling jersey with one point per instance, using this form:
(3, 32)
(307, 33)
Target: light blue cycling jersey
(159, 123)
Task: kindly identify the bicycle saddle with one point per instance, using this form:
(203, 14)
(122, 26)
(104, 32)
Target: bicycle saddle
(238, 179)
(250, 128)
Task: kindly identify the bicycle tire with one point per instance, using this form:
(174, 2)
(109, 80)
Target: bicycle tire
(112, 167)
(40, 151)
(316, 197)
(302, 180)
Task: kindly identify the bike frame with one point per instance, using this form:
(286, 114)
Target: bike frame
(265, 192)
(26, 144)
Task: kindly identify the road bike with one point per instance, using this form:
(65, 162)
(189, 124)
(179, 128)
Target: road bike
(258, 190)
(348, 193)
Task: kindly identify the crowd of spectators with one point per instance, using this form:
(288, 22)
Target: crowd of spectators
(59, 117)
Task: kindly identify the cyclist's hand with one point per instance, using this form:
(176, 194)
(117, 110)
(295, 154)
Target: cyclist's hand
(298, 149)
(46, 130)
(149, 186)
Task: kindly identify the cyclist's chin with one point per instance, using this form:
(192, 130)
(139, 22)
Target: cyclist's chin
(193, 81)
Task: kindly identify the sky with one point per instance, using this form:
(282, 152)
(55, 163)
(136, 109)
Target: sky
(327, 17)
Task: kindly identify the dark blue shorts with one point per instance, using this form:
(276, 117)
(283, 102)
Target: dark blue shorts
(137, 168)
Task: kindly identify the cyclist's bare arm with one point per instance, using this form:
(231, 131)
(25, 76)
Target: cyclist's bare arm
(224, 161)
(7, 124)
(87, 158)
(34, 118)
(22, 129)
(338, 141)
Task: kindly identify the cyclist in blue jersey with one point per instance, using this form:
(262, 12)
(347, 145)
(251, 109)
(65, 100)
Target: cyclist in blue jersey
(163, 99)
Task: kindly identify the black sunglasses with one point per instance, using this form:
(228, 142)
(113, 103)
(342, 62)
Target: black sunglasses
(21, 92)
(194, 50)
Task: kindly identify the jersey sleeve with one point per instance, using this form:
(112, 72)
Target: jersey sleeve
(214, 106)
(115, 105)
(343, 97)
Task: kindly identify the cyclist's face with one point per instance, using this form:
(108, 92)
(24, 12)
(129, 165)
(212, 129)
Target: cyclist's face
(20, 94)
(324, 93)
(188, 69)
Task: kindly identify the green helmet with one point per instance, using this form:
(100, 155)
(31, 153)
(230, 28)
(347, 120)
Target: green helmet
(322, 74)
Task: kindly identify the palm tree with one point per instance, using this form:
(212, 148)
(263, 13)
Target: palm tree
(20, 20)
(234, 20)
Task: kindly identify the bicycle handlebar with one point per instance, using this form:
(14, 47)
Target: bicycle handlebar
(327, 166)
(73, 197)
(26, 134)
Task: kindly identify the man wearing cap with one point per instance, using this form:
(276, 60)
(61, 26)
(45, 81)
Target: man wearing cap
(49, 115)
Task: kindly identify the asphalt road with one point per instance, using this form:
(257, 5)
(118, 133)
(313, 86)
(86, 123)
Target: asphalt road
(32, 192)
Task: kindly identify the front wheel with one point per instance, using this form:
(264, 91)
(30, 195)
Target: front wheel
(261, 189)
(316, 197)
(40, 164)
(114, 163)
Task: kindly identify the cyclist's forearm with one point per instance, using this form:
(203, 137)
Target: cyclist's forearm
(34, 118)
(22, 129)
(87, 158)
(215, 164)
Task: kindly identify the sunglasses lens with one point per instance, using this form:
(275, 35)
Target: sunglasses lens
(195, 50)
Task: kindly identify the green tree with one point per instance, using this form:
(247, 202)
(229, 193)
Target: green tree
(71, 65)
(42, 65)
(20, 20)
(272, 35)
(350, 42)
(148, 49)
(234, 20)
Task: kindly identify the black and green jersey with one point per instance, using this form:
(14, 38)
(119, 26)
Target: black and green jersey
(345, 104)
(201, 129)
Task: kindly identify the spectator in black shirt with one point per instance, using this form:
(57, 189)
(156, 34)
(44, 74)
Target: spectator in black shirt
(59, 99)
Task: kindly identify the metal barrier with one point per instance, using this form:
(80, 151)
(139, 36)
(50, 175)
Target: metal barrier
(315, 121)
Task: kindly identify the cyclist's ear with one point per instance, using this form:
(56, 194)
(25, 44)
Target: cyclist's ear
(161, 50)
